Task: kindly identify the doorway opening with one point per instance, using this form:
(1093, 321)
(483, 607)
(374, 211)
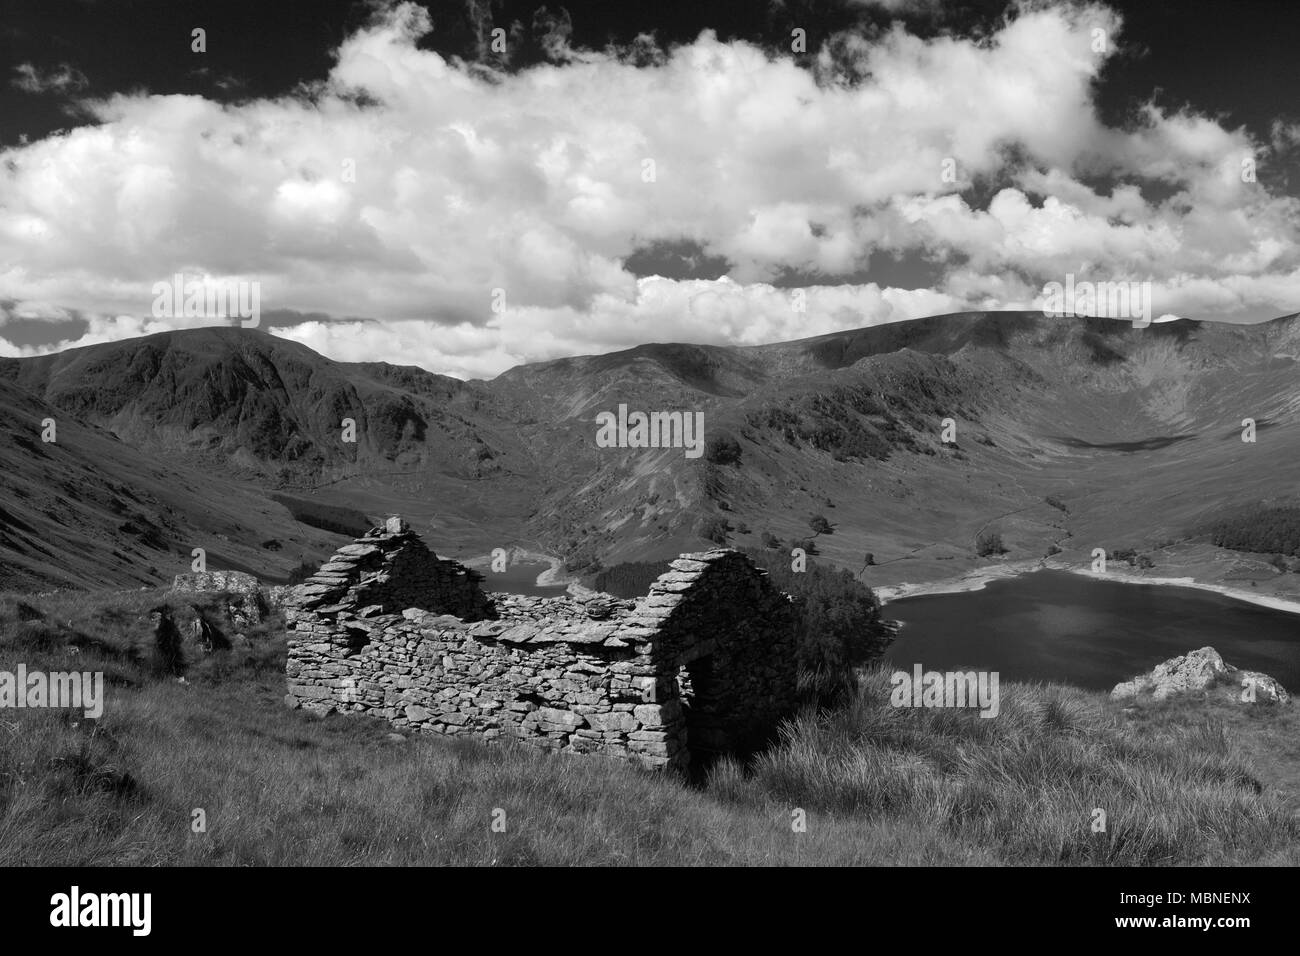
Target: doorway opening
(706, 733)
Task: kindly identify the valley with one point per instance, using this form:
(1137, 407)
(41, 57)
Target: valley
(1133, 433)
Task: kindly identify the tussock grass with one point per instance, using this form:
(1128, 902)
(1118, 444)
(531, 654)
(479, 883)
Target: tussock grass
(1186, 782)
(1027, 782)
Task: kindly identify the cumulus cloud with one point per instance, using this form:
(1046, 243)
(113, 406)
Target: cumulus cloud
(899, 6)
(719, 312)
(481, 218)
(62, 79)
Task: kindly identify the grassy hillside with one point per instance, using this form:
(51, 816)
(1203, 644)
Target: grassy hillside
(1182, 783)
(1135, 433)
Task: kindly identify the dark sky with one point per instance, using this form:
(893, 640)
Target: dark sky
(1233, 59)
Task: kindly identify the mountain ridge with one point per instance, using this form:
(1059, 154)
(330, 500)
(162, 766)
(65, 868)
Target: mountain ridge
(512, 461)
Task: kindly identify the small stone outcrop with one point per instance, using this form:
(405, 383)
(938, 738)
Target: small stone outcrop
(1201, 670)
(703, 664)
(245, 604)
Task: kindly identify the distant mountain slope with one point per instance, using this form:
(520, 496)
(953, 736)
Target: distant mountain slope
(257, 404)
(87, 510)
(1136, 428)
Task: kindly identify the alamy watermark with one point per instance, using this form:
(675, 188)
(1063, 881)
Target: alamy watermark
(75, 908)
(208, 298)
(947, 689)
(1111, 300)
(57, 689)
(653, 430)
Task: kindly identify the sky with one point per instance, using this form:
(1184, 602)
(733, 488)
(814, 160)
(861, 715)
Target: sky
(401, 187)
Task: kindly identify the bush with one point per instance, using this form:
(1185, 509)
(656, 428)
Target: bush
(770, 540)
(169, 657)
(839, 624)
(808, 544)
(715, 530)
(820, 525)
(582, 559)
(838, 616)
(989, 543)
(723, 450)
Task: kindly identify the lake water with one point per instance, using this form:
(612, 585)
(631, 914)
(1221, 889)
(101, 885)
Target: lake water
(520, 578)
(1052, 625)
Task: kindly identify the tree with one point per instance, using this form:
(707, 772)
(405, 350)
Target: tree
(820, 525)
(989, 542)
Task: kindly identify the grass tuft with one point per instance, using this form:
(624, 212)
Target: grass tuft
(1181, 782)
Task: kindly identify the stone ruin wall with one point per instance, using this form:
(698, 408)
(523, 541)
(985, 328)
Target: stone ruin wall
(390, 630)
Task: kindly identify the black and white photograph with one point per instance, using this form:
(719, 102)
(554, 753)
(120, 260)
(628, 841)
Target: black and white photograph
(756, 435)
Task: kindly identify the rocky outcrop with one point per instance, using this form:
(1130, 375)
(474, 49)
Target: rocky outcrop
(279, 596)
(244, 604)
(704, 663)
(1205, 671)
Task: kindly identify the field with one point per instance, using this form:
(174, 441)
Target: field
(1190, 782)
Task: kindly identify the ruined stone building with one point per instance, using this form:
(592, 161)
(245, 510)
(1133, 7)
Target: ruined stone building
(703, 664)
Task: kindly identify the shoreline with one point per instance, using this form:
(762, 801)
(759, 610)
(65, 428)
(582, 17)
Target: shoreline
(552, 577)
(978, 579)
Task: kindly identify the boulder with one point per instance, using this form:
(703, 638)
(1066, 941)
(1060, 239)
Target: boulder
(1200, 670)
(244, 603)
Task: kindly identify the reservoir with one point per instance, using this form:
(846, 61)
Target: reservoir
(520, 578)
(1057, 626)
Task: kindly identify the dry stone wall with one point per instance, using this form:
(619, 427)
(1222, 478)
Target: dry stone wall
(703, 664)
